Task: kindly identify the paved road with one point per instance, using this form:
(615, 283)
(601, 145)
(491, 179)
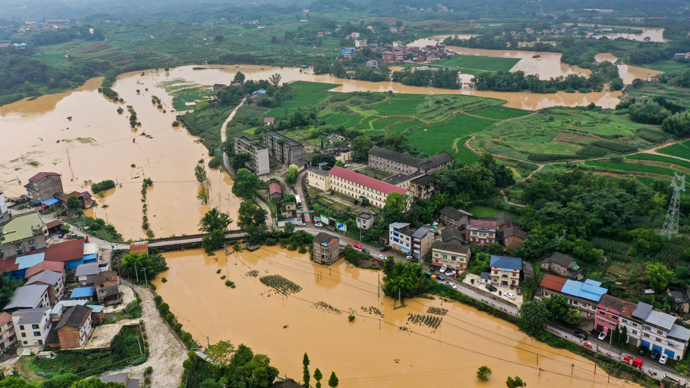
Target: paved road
(223, 134)
(607, 350)
(102, 244)
(298, 188)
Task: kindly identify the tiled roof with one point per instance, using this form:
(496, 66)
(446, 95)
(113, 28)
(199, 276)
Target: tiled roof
(27, 296)
(455, 214)
(4, 318)
(396, 156)
(275, 188)
(87, 269)
(642, 311)
(452, 246)
(628, 309)
(449, 234)
(73, 317)
(483, 224)
(46, 277)
(324, 237)
(553, 282)
(436, 160)
(679, 332)
(30, 316)
(560, 259)
(66, 251)
(505, 262)
(513, 231)
(42, 175)
(660, 319)
(611, 302)
(139, 247)
(365, 181)
(422, 231)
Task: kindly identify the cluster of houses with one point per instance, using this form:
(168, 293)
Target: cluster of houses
(45, 189)
(397, 52)
(65, 285)
(287, 151)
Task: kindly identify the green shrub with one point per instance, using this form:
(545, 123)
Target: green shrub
(539, 157)
(591, 151)
(351, 318)
(614, 146)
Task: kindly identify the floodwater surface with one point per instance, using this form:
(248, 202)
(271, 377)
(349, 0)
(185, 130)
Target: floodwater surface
(628, 73)
(380, 348)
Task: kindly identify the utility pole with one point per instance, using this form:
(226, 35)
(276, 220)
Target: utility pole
(136, 272)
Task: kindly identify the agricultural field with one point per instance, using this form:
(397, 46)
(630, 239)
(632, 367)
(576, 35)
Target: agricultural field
(680, 96)
(565, 133)
(670, 162)
(307, 94)
(681, 150)
(630, 167)
(485, 211)
(440, 137)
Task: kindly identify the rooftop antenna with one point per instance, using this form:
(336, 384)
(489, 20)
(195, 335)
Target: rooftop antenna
(670, 229)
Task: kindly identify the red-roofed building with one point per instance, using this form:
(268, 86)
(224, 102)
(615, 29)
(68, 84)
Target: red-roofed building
(482, 232)
(275, 191)
(54, 266)
(44, 185)
(139, 247)
(68, 251)
(85, 198)
(356, 185)
(553, 283)
(269, 120)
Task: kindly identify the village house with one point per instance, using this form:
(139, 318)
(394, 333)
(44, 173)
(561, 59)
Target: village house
(347, 53)
(609, 310)
(121, 378)
(53, 266)
(4, 211)
(32, 326)
(55, 280)
(319, 34)
(505, 271)
(563, 265)
(269, 120)
(326, 248)
(360, 43)
(275, 191)
(482, 232)
(86, 273)
(424, 187)
(454, 217)
(502, 220)
(341, 153)
(680, 299)
(655, 330)
(450, 234)
(73, 330)
(258, 162)
(32, 296)
(355, 35)
(8, 336)
(44, 186)
(511, 238)
(219, 87)
(107, 285)
(388, 56)
(333, 137)
(284, 149)
(374, 64)
(85, 197)
(452, 254)
(69, 253)
(97, 311)
(365, 221)
(22, 234)
(415, 243)
(583, 296)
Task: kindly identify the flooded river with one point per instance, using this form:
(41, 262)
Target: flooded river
(372, 351)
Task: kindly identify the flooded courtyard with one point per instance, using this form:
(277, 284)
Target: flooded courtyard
(380, 348)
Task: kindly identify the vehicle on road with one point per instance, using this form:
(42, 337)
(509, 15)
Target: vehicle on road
(601, 336)
(450, 273)
(383, 249)
(630, 360)
(428, 274)
(440, 277)
(491, 288)
(654, 354)
(364, 250)
(588, 345)
(408, 258)
(643, 351)
(318, 225)
(581, 335)
(298, 201)
(663, 358)
(346, 165)
(433, 277)
(382, 257)
(509, 295)
(358, 246)
(443, 269)
(299, 223)
(451, 284)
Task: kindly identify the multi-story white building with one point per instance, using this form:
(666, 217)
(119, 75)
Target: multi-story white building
(656, 330)
(258, 163)
(505, 271)
(353, 185)
(32, 326)
(416, 243)
(452, 254)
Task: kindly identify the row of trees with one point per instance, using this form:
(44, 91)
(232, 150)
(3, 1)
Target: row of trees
(442, 78)
(504, 81)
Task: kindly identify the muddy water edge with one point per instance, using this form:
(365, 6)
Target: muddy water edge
(380, 348)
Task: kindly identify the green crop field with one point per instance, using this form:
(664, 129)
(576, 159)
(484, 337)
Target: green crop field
(681, 150)
(659, 158)
(634, 167)
(401, 105)
(485, 211)
(480, 63)
(404, 126)
(338, 119)
(440, 137)
(463, 153)
(501, 113)
(381, 124)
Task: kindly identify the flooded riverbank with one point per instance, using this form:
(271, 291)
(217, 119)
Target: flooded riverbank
(372, 351)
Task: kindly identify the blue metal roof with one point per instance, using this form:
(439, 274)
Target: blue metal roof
(50, 201)
(30, 260)
(92, 256)
(506, 262)
(96, 308)
(586, 290)
(261, 91)
(82, 292)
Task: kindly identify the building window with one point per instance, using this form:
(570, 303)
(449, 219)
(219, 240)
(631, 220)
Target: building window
(634, 332)
(34, 326)
(21, 327)
(646, 335)
(23, 335)
(659, 332)
(37, 333)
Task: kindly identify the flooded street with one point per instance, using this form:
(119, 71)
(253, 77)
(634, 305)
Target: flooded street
(372, 351)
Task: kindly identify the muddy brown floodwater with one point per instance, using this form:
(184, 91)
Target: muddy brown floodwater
(372, 351)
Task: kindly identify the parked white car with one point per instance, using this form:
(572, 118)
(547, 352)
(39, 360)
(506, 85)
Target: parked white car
(443, 269)
(451, 284)
(663, 358)
(601, 336)
(450, 272)
(509, 295)
(318, 225)
(382, 257)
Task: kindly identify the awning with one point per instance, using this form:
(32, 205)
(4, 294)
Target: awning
(406, 250)
(50, 201)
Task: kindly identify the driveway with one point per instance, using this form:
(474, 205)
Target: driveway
(298, 188)
(167, 353)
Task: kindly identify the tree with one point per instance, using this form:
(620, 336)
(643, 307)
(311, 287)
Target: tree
(73, 203)
(306, 376)
(340, 163)
(211, 383)
(333, 380)
(318, 376)
(219, 38)
(483, 372)
(360, 147)
(95, 383)
(239, 78)
(323, 158)
(202, 194)
(214, 220)
(213, 241)
(396, 204)
(246, 184)
(291, 175)
(200, 173)
(221, 352)
(558, 306)
(515, 382)
(60, 381)
(275, 79)
(406, 281)
(533, 317)
(151, 263)
(247, 212)
(658, 276)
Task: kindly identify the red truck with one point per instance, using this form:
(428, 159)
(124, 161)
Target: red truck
(630, 360)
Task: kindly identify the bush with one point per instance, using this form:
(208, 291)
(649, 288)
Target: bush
(614, 146)
(351, 318)
(163, 307)
(187, 363)
(591, 151)
(302, 250)
(170, 317)
(177, 327)
(539, 157)
(164, 280)
(271, 241)
(102, 186)
(158, 299)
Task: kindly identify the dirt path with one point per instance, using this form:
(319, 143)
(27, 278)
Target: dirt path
(167, 352)
(224, 136)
